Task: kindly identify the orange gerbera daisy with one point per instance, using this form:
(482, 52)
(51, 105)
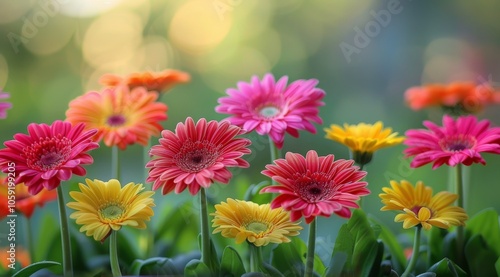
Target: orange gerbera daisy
(25, 202)
(154, 81)
(457, 98)
(121, 116)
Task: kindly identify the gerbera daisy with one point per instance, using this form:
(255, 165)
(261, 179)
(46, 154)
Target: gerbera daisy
(154, 81)
(49, 154)
(459, 141)
(196, 155)
(25, 202)
(363, 139)
(418, 206)
(4, 106)
(456, 98)
(122, 117)
(257, 224)
(311, 186)
(273, 108)
(105, 206)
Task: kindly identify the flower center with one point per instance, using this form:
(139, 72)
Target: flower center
(457, 143)
(116, 120)
(112, 211)
(314, 188)
(196, 156)
(47, 153)
(268, 111)
(257, 227)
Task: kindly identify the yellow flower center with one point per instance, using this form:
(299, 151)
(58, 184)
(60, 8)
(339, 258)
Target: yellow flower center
(112, 211)
(257, 227)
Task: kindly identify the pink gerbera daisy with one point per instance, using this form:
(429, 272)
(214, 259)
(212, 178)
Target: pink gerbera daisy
(4, 106)
(48, 155)
(273, 108)
(458, 142)
(311, 186)
(196, 155)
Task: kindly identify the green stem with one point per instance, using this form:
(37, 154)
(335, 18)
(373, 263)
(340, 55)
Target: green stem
(205, 235)
(150, 237)
(460, 203)
(414, 255)
(255, 258)
(311, 243)
(275, 152)
(115, 163)
(113, 255)
(65, 238)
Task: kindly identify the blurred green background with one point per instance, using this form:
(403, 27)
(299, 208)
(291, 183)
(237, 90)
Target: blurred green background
(365, 54)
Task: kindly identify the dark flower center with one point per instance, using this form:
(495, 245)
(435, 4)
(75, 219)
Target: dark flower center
(457, 143)
(116, 120)
(47, 153)
(195, 156)
(314, 187)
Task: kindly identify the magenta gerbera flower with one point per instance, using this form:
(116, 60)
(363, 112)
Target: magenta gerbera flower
(459, 141)
(311, 186)
(196, 155)
(273, 108)
(4, 106)
(48, 154)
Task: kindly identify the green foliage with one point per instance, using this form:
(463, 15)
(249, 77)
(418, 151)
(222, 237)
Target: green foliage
(196, 268)
(393, 245)
(290, 258)
(486, 223)
(447, 268)
(153, 266)
(252, 193)
(231, 263)
(356, 249)
(34, 267)
(480, 257)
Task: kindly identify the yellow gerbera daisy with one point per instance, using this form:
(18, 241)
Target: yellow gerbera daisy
(363, 139)
(258, 224)
(105, 206)
(420, 207)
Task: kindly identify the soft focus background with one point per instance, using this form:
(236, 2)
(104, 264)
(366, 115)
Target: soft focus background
(365, 54)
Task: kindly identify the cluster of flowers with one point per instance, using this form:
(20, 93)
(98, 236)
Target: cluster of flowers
(197, 154)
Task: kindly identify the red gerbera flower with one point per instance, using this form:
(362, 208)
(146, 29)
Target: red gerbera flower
(273, 108)
(311, 186)
(48, 155)
(458, 142)
(196, 155)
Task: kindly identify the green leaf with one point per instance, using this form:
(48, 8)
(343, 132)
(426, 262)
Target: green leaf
(358, 242)
(397, 253)
(196, 268)
(253, 193)
(436, 238)
(34, 267)
(447, 268)
(287, 259)
(231, 263)
(486, 223)
(427, 274)
(480, 257)
(153, 266)
(271, 271)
